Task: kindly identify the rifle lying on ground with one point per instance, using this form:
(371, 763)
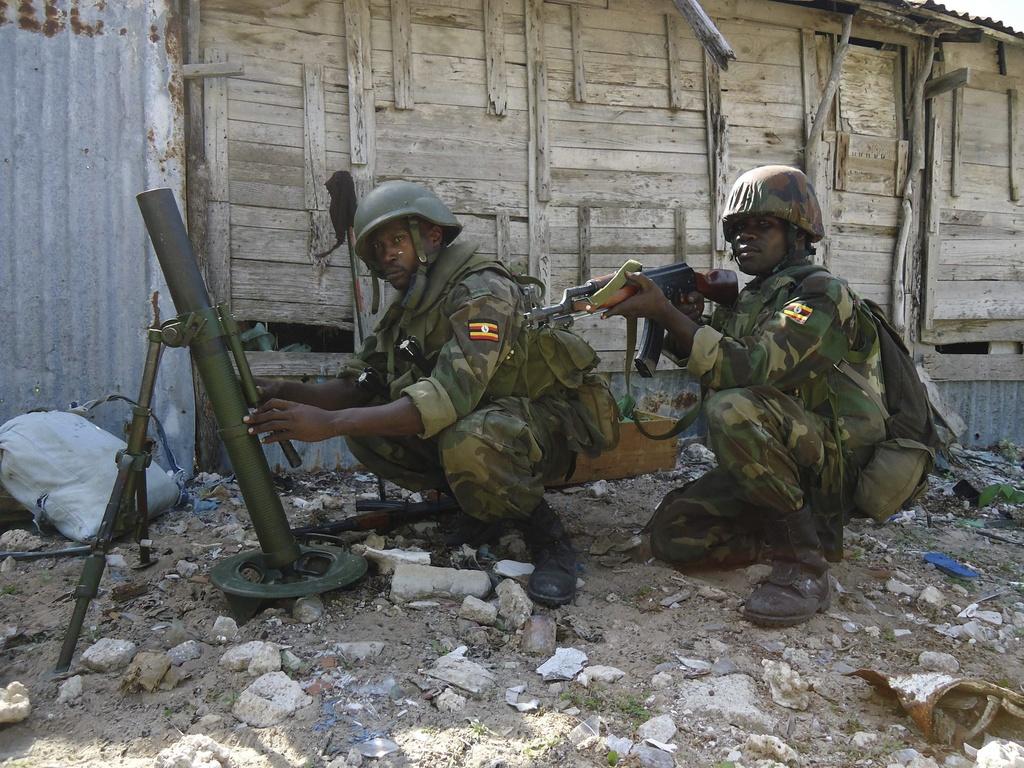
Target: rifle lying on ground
(383, 515)
(600, 293)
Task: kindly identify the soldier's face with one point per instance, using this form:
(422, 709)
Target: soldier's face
(393, 249)
(759, 244)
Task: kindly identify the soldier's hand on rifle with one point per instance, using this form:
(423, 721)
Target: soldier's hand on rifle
(691, 305)
(279, 420)
(648, 302)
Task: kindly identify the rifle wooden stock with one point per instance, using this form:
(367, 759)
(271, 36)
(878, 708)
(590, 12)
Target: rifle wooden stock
(675, 281)
(718, 285)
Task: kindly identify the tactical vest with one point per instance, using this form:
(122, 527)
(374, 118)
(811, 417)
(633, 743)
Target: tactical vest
(539, 361)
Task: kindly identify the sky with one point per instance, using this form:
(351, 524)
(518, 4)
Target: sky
(1010, 12)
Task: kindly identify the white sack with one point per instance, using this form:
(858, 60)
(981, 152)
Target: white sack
(61, 466)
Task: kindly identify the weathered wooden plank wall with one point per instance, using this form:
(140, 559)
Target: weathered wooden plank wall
(568, 136)
(976, 263)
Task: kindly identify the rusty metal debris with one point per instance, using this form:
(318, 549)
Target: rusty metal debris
(951, 710)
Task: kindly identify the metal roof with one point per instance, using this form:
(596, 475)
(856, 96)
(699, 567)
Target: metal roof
(930, 5)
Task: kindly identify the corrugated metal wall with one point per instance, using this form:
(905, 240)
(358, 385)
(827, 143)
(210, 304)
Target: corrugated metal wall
(89, 117)
(993, 410)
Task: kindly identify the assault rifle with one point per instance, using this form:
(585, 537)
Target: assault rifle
(600, 293)
(384, 515)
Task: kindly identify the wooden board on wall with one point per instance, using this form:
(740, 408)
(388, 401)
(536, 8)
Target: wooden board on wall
(633, 139)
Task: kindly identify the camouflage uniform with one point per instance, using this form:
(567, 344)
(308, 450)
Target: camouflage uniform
(505, 409)
(788, 428)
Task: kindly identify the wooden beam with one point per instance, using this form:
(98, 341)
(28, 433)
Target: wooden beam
(211, 69)
(494, 47)
(360, 80)
(842, 158)
(1007, 367)
(215, 122)
(538, 168)
(902, 279)
(679, 235)
(833, 81)
(899, 178)
(401, 53)
(362, 137)
(809, 77)
(1013, 105)
(932, 239)
(503, 237)
(955, 79)
(579, 74)
(716, 130)
(713, 41)
(673, 34)
(197, 192)
(321, 235)
(298, 363)
(956, 156)
(583, 231)
(540, 101)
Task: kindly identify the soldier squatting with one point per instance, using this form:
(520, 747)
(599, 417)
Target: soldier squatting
(491, 409)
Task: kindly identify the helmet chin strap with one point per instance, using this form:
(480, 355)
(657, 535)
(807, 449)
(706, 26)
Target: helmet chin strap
(418, 283)
(792, 256)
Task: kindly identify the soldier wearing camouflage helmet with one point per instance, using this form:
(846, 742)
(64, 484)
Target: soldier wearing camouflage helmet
(790, 430)
(467, 399)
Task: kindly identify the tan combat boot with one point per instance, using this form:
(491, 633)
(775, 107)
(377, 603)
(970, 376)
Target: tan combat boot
(798, 586)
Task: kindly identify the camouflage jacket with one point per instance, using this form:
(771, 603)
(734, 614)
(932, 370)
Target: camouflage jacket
(790, 330)
(469, 324)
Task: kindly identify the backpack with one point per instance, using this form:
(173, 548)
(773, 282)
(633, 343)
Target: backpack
(898, 470)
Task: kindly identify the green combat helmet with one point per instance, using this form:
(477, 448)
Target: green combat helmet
(775, 190)
(400, 199)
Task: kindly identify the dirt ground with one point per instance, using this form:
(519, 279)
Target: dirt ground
(680, 640)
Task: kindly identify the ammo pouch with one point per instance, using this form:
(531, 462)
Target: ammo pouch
(897, 472)
(898, 469)
(561, 359)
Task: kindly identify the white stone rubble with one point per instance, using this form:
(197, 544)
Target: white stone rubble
(108, 654)
(269, 700)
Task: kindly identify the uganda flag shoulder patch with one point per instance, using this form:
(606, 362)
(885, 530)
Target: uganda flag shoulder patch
(483, 330)
(797, 312)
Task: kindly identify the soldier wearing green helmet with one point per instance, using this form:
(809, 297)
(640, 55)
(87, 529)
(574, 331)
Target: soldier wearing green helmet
(468, 399)
(790, 430)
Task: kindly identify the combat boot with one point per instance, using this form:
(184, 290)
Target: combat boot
(553, 581)
(798, 586)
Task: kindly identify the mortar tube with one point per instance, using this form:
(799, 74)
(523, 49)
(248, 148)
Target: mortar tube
(212, 359)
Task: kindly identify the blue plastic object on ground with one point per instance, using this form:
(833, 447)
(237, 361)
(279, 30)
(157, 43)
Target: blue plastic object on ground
(946, 564)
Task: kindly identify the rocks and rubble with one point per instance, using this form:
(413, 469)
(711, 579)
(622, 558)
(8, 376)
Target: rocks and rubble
(256, 657)
(475, 609)
(195, 751)
(687, 651)
(564, 665)
(454, 668)
(269, 700)
(514, 606)
(108, 654)
(412, 582)
(788, 688)
(70, 690)
(15, 705)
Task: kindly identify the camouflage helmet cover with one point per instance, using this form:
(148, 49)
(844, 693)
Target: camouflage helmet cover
(775, 190)
(399, 200)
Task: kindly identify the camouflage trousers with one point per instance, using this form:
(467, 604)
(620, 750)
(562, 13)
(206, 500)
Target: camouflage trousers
(773, 458)
(495, 461)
